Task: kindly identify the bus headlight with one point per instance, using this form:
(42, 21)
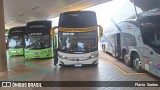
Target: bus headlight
(47, 51)
(93, 55)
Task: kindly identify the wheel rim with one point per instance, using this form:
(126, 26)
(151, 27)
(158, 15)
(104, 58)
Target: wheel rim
(126, 60)
(137, 63)
(104, 48)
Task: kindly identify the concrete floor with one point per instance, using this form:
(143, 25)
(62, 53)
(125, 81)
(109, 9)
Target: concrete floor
(109, 69)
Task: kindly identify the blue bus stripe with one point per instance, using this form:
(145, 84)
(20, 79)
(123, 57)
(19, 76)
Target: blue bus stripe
(116, 25)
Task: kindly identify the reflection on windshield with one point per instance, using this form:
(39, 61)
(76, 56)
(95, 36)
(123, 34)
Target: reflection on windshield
(15, 42)
(38, 42)
(74, 44)
(151, 30)
(155, 39)
(78, 42)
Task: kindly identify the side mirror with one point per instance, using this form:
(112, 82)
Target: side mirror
(55, 56)
(8, 39)
(100, 31)
(52, 31)
(19, 37)
(26, 37)
(55, 42)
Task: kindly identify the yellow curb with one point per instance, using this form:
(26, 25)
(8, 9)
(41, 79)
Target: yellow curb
(122, 71)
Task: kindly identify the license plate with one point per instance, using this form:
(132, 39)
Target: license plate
(78, 65)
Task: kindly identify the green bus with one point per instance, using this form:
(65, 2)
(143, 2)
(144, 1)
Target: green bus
(16, 41)
(38, 43)
(77, 39)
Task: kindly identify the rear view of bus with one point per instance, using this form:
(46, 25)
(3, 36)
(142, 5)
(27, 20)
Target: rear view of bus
(16, 41)
(37, 40)
(77, 39)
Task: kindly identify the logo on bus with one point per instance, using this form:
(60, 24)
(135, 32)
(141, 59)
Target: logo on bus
(17, 31)
(35, 34)
(156, 67)
(129, 27)
(37, 26)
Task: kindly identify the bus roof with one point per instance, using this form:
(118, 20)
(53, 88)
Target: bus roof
(38, 21)
(69, 12)
(42, 26)
(15, 28)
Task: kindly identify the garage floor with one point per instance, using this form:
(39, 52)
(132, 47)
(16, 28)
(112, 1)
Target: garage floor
(109, 69)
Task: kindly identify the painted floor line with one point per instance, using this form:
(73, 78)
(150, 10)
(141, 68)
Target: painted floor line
(136, 73)
(122, 71)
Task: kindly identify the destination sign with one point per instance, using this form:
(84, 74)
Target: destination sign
(35, 34)
(17, 31)
(77, 29)
(37, 26)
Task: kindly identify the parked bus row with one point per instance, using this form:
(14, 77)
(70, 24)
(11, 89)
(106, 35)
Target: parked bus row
(32, 40)
(76, 43)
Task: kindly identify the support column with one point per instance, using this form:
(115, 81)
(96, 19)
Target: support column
(3, 58)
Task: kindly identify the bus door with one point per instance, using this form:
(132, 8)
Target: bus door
(117, 41)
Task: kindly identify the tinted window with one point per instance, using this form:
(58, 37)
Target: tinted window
(78, 19)
(150, 29)
(16, 31)
(71, 42)
(130, 39)
(42, 27)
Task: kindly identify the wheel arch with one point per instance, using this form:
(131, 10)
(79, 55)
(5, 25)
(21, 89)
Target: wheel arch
(133, 52)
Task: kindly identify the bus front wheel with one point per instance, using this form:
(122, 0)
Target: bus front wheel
(137, 64)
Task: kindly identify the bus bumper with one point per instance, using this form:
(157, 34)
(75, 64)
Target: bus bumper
(15, 52)
(44, 53)
(68, 63)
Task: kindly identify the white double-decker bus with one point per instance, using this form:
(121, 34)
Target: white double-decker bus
(77, 39)
(134, 35)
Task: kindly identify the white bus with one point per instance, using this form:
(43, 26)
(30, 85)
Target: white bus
(134, 35)
(77, 39)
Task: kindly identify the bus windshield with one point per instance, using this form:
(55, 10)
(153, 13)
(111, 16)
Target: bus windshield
(81, 42)
(38, 42)
(16, 42)
(150, 28)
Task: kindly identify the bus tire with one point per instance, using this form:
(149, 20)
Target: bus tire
(123, 52)
(126, 59)
(137, 63)
(104, 48)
